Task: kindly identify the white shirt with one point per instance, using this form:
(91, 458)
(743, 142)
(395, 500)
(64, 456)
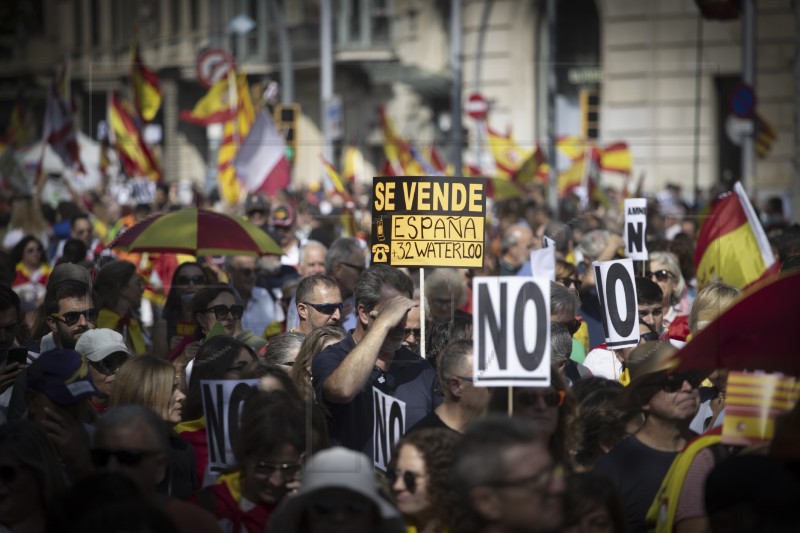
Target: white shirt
(261, 311)
(603, 363)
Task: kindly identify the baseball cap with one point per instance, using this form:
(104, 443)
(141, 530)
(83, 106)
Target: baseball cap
(63, 376)
(282, 216)
(255, 203)
(97, 344)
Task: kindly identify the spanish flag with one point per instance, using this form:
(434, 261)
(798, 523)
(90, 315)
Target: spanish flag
(336, 180)
(732, 246)
(508, 155)
(145, 86)
(136, 158)
(218, 105)
(616, 157)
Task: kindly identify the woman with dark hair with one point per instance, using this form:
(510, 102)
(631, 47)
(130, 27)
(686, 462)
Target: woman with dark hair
(593, 505)
(32, 271)
(419, 475)
(269, 455)
(119, 292)
(551, 407)
(31, 475)
(219, 358)
(177, 327)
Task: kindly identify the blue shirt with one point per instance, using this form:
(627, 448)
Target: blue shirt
(410, 378)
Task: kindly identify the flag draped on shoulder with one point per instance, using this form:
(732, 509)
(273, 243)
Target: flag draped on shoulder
(59, 129)
(134, 154)
(260, 162)
(732, 246)
(145, 86)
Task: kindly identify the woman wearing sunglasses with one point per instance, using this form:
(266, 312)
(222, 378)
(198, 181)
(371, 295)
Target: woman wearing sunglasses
(665, 271)
(119, 291)
(218, 358)
(151, 382)
(31, 476)
(419, 478)
(177, 325)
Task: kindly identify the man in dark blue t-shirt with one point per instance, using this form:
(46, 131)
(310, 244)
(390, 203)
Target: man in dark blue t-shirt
(373, 355)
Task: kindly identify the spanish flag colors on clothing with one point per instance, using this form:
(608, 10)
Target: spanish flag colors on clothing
(732, 246)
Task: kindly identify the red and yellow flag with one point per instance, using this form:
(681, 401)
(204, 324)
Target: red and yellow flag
(145, 86)
(765, 137)
(218, 104)
(235, 131)
(753, 402)
(732, 246)
(136, 157)
(508, 155)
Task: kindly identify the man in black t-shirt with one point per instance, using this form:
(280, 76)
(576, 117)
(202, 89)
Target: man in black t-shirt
(638, 464)
(373, 356)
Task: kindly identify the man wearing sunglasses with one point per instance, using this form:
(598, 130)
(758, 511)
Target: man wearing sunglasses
(373, 355)
(105, 351)
(610, 364)
(319, 303)
(134, 441)
(638, 464)
(261, 309)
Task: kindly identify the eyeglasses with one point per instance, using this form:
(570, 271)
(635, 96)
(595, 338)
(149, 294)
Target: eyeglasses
(245, 271)
(538, 481)
(359, 268)
(468, 379)
(111, 363)
(674, 382)
(72, 317)
(223, 311)
(8, 474)
(570, 282)
(572, 326)
(191, 280)
(287, 470)
(409, 478)
(551, 397)
(661, 275)
(100, 456)
(327, 309)
(411, 331)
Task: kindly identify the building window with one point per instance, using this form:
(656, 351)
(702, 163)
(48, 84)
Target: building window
(363, 23)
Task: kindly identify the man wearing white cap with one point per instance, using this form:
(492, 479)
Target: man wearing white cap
(106, 352)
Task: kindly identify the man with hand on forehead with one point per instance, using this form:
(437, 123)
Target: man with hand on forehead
(373, 355)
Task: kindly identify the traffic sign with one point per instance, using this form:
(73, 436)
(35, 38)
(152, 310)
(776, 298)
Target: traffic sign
(213, 65)
(742, 101)
(477, 106)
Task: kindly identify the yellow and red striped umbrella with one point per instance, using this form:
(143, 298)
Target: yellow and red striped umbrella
(196, 232)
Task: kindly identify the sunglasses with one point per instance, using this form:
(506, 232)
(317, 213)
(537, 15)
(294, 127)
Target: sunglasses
(359, 268)
(327, 309)
(100, 457)
(572, 326)
(287, 470)
(191, 280)
(411, 331)
(72, 317)
(552, 397)
(8, 474)
(570, 282)
(223, 311)
(661, 275)
(674, 382)
(409, 478)
(111, 363)
(245, 271)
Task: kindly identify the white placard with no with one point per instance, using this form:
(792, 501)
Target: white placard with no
(389, 424)
(511, 331)
(635, 229)
(616, 290)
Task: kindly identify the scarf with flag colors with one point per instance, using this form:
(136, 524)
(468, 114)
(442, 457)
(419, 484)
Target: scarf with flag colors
(732, 246)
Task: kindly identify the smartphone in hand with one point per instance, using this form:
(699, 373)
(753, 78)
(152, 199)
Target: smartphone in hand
(17, 354)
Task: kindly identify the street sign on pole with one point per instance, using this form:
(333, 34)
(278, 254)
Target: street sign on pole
(742, 101)
(213, 65)
(477, 106)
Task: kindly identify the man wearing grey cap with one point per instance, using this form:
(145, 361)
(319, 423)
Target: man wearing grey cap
(106, 352)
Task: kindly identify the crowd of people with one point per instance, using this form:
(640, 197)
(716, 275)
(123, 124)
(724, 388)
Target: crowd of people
(104, 352)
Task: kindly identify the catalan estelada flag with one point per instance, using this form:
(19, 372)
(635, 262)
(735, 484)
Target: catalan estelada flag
(136, 157)
(732, 246)
(145, 87)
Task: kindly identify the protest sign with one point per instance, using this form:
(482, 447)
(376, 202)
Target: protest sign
(617, 293)
(435, 221)
(222, 405)
(635, 228)
(543, 263)
(511, 331)
(389, 424)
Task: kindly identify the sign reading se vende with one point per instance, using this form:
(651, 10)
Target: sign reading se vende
(435, 221)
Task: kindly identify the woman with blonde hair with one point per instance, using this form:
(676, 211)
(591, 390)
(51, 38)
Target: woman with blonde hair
(151, 382)
(26, 219)
(665, 270)
(313, 344)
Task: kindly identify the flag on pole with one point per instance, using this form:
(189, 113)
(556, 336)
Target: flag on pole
(616, 157)
(19, 131)
(732, 246)
(261, 163)
(336, 180)
(237, 127)
(145, 86)
(508, 155)
(765, 137)
(134, 154)
(215, 106)
(352, 164)
(59, 130)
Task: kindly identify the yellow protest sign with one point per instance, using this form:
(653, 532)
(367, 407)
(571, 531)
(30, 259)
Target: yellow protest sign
(422, 221)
